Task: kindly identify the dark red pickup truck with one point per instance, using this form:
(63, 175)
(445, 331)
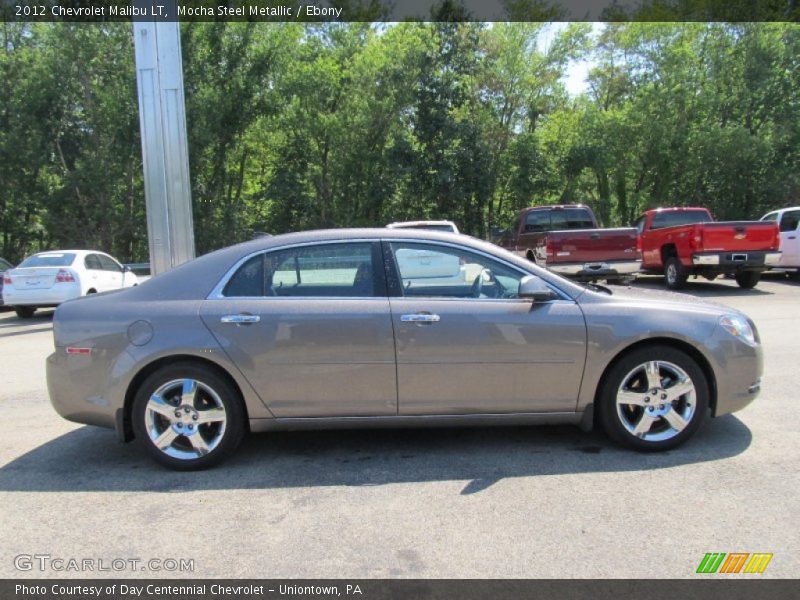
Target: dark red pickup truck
(566, 240)
(686, 241)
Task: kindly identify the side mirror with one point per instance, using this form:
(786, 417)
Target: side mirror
(127, 269)
(533, 288)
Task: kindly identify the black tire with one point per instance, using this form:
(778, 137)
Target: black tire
(675, 275)
(235, 421)
(747, 280)
(24, 312)
(610, 419)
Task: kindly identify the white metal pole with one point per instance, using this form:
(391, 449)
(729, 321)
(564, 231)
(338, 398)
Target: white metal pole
(165, 154)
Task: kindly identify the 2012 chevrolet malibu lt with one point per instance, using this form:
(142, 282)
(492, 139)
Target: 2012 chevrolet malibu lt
(389, 327)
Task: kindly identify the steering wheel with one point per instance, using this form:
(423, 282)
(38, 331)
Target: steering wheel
(477, 285)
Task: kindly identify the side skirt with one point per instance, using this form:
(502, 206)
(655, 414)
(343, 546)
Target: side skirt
(403, 421)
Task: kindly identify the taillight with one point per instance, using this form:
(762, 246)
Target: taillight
(550, 247)
(7, 280)
(64, 276)
(639, 245)
(696, 241)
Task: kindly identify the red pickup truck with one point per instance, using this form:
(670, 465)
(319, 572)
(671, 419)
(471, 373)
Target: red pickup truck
(679, 242)
(566, 240)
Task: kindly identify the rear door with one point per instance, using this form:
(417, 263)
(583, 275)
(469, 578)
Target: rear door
(309, 327)
(112, 272)
(471, 346)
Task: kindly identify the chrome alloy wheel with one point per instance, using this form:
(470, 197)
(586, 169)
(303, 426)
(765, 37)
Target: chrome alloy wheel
(656, 401)
(185, 419)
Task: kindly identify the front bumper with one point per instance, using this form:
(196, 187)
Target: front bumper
(598, 270)
(739, 369)
(736, 260)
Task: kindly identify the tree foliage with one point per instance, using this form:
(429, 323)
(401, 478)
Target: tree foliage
(296, 126)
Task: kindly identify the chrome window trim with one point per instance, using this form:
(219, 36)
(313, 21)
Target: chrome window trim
(216, 293)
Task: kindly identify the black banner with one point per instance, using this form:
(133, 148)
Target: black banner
(380, 589)
(401, 10)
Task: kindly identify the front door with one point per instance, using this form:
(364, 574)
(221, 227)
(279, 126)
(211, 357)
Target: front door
(310, 328)
(466, 343)
(790, 238)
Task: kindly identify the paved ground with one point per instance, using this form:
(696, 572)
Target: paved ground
(520, 502)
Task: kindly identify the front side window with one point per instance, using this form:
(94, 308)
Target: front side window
(322, 271)
(789, 220)
(448, 272)
(108, 263)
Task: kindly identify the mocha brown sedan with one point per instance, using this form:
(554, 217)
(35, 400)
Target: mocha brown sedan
(389, 328)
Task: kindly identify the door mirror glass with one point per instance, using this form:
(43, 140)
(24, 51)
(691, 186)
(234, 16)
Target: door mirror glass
(533, 288)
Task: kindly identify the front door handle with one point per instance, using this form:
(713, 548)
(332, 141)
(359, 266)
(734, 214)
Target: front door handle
(240, 319)
(420, 318)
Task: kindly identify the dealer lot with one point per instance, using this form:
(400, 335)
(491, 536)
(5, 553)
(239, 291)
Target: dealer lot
(504, 502)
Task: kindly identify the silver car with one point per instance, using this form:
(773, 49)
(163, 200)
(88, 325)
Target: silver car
(325, 329)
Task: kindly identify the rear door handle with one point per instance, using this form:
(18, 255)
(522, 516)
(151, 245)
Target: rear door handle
(241, 319)
(420, 318)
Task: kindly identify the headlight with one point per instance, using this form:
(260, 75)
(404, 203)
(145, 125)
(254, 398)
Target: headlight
(739, 327)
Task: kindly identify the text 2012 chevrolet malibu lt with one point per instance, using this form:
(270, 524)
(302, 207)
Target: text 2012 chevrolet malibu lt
(382, 327)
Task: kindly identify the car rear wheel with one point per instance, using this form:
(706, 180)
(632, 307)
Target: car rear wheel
(24, 312)
(654, 399)
(748, 279)
(188, 416)
(674, 273)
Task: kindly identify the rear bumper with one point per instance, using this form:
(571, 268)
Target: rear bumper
(599, 270)
(53, 296)
(731, 261)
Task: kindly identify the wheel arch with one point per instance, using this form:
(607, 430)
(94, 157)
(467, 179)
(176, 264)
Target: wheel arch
(667, 251)
(674, 343)
(126, 426)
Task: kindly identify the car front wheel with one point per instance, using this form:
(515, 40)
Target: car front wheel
(654, 399)
(188, 416)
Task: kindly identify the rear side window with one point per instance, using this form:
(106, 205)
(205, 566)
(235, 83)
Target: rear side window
(789, 220)
(682, 217)
(324, 270)
(92, 262)
(49, 259)
(248, 281)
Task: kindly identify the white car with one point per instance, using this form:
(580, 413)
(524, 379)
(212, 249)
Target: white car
(50, 278)
(429, 225)
(788, 220)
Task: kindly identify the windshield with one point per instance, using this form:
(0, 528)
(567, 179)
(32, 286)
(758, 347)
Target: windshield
(48, 259)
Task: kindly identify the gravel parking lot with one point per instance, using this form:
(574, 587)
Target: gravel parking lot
(505, 502)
